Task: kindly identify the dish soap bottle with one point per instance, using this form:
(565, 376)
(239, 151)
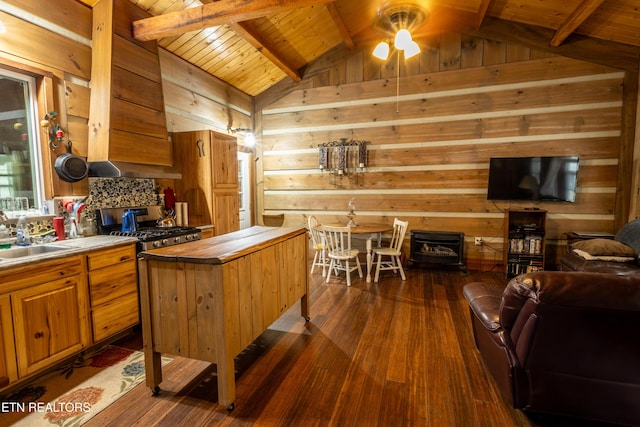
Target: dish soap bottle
(22, 232)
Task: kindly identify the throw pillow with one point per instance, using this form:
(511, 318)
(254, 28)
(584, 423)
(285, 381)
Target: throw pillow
(608, 258)
(604, 247)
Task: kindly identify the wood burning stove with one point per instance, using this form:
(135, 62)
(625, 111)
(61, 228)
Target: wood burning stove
(441, 248)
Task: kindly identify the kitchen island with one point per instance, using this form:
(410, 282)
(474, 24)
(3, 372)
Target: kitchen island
(209, 299)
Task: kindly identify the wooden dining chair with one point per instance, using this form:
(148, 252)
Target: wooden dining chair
(340, 253)
(318, 243)
(393, 251)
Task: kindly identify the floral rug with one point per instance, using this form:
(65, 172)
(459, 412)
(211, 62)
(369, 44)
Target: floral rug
(75, 393)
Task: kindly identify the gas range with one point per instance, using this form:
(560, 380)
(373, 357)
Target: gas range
(145, 229)
(159, 237)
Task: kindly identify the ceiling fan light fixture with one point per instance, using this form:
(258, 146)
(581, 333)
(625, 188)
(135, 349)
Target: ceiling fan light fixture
(411, 50)
(402, 39)
(396, 19)
(381, 51)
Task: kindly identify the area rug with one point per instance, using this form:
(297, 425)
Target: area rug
(77, 392)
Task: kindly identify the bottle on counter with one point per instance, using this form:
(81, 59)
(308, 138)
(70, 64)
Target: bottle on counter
(22, 232)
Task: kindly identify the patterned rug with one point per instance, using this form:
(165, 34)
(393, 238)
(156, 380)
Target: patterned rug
(75, 393)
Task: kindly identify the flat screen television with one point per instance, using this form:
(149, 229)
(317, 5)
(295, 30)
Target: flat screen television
(533, 178)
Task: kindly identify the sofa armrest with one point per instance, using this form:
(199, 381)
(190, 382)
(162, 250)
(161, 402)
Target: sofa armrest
(484, 301)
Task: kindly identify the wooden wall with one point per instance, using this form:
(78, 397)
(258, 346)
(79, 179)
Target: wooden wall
(463, 101)
(53, 43)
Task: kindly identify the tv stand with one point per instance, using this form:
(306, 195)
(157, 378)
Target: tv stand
(524, 240)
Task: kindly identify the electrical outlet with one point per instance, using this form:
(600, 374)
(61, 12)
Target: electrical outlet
(478, 241)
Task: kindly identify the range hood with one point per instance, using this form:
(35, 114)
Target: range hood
(112, 169)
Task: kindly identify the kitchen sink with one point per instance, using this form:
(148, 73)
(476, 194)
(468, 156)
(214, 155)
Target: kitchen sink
(22, 251)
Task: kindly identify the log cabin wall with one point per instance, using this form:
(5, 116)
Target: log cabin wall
(194, 100)
(463, 101)
(53, 44)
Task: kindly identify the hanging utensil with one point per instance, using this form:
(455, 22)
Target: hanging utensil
(71, 168)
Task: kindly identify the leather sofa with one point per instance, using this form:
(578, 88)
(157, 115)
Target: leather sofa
(599, 261)
(564, 343)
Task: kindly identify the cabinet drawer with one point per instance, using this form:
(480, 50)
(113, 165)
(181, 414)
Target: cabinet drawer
(115, 316)
(111, 256)
(112, 282)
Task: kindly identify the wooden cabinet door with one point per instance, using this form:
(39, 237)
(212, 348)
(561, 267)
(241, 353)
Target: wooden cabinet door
(224, 166)
(8, 369)
(47, 322)
(227, 211)
(224, 156)
(192, 154)
(208, 162)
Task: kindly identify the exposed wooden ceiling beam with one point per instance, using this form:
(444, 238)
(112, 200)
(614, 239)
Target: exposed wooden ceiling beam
(212, 14)
(579, 15)
(617, 55)
(342, 27)
(251, 35)
(248, 31)
(482, 12)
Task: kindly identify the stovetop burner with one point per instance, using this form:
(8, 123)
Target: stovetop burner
(148, 235)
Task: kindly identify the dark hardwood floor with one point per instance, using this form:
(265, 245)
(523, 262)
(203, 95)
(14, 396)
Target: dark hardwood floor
(388, 354)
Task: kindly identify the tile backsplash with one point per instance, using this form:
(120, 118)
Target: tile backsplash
(121, 193)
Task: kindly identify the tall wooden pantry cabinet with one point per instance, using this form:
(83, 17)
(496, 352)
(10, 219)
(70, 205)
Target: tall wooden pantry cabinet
(208, 162)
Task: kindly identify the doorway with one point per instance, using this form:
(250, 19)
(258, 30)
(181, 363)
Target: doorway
(244, 189)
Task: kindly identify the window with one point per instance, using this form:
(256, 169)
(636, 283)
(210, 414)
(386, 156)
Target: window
(21, 184)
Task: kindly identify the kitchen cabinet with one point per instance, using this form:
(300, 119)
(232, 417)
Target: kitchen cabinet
(52, 309)
(126, 117)
(113, 291)
(8, 368)
(208, 162)
(50, 316)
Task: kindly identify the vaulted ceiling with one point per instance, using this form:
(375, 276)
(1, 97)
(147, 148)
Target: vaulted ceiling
(252, 45)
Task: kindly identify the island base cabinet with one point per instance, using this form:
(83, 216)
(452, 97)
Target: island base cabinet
(212, 312)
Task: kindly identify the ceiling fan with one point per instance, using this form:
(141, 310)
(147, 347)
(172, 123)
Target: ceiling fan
(395, 21)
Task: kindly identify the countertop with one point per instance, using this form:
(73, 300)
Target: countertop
(224, 248)
(76, 247)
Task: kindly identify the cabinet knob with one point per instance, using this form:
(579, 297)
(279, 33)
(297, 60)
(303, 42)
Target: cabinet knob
(38, 335)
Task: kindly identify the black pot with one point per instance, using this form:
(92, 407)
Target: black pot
(71, 168)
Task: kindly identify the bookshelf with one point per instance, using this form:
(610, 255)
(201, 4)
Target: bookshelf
(524, 245)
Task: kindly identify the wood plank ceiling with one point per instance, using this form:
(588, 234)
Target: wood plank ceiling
(252, 45)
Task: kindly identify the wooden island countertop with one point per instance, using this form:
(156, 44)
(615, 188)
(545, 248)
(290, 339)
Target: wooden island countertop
(224, 248)
(209, 299)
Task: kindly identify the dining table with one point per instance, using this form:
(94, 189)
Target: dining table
(369, 232)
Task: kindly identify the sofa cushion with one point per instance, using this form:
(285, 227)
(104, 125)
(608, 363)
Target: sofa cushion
(630, 235)
(573, 262)
(604, 247)
(608, 258)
